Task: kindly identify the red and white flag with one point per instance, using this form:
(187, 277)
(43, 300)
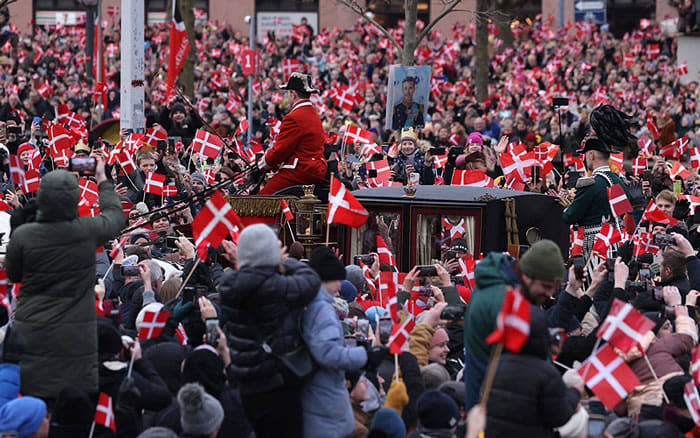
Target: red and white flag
(654, 214)
(59, 139)
(683, 69)
(678, 170)
(215, 221)
(471, 177)
(651, 126)
(181, 334)
(694, 158)
(126, 161)
(88, 192)
(207, 144)
(692, 401)
(32, 179)
(383, 173)
(619, 203)
(286, 211)
(355, 134)
(577, 245)
(606, 237)
(398, 340)
(695, 365)
(153, 324)
(608, 376)
(513, 322)
(639, 165)
(178, 48)
(169, 190)
(153, 135)
(617, 160)
(693, 200)
(467, 264)
(113, 253)
(369, 279)
(104, 414)
(343, 208)
(388, 286)
(154, 183)
(676, 148)
(385, 255)
(624, 326)
(16, 170)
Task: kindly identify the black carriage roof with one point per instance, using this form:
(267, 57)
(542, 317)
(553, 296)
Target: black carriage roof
(441, 195)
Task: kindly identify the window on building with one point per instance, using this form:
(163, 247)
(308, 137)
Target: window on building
(389, 12)
(286, 5)
(58, 5)
(161, 5)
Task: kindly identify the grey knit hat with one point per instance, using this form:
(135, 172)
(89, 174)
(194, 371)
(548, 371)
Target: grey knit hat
(258, 246)
(356, 277)
(157, 432)
(196, 176)
(200, 413)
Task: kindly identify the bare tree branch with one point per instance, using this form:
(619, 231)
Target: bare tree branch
(4, 3)
(359, 10)
(449, 6)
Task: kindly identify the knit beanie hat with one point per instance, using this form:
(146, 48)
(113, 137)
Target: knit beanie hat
(24, 147)
(436, 410)
(624, 427)
(434, 375)
(200, 413)
(543, 261)
(347, 290)
(157, 432)
(389, 422)
(323, 261)
(355, 276)
(258, 246)
(23, 415)
(475, 137)
(196, 176)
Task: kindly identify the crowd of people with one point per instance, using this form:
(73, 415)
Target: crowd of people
(260, 340)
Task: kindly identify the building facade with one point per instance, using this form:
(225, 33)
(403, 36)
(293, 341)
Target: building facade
(280, 14)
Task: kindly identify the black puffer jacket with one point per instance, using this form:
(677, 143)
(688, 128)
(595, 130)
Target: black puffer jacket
(529, 404)
(265, 305)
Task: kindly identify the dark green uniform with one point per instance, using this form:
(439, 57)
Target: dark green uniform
(591, 201)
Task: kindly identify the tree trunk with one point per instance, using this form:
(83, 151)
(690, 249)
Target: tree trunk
(482, 47)
(186, 79)
(503, 26)
(409, 32)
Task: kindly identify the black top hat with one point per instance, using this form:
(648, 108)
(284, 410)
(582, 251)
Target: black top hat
(299, 82)
(593, 143)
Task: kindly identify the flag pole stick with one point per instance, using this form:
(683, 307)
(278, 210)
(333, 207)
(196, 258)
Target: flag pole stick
(491, 373)
(182, 286)
(109, 269)
(131, 364)
(328, 232)
(396, 367)
(653, 373)
(290, 231)
(92, 429)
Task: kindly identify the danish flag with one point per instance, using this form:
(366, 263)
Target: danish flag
(606, 237)
(619, 203)
(104, 415)
(676, 148)
(153, 324)
(369, 280)
(388, 286)
(32, 179)
(466, 266)
(181, 334)
(88, 192)
(287, 212)
(692, 401)
(683, 69)
(343, 208)
(617, 160)
(355, 134)
(639, 165)
(654, 214)
(289, 66)
(694, 158)
(385, 255)
(207, 144)
(400, 332)
(439, 161)
(133, 142)
(514, 163)
(383, 173)
(513, 322)
(693, 200)
(624, 326)
(154, 135)
(370, 149)
(59, 139)
(154, 183)
(471, 177)
(577, 246)
(126, 161)
(651, 126)
(456, 231)
(215, 221)
(678, 170)
(607, 375)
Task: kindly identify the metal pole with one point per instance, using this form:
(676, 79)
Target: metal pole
(132, 67)
(560, 13)
(250, 81)
(90, 36)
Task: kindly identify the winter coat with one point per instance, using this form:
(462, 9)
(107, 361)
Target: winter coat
(54, 259)
(324, 398)
(492, 275)
(529, 404)
(265, 306)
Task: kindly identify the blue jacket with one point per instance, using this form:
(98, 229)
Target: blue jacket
(9, 382)
(324, 398)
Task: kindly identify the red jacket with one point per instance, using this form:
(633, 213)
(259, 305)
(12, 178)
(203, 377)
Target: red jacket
(299, 144)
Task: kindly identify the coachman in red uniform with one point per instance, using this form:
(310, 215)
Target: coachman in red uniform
(298, 150)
